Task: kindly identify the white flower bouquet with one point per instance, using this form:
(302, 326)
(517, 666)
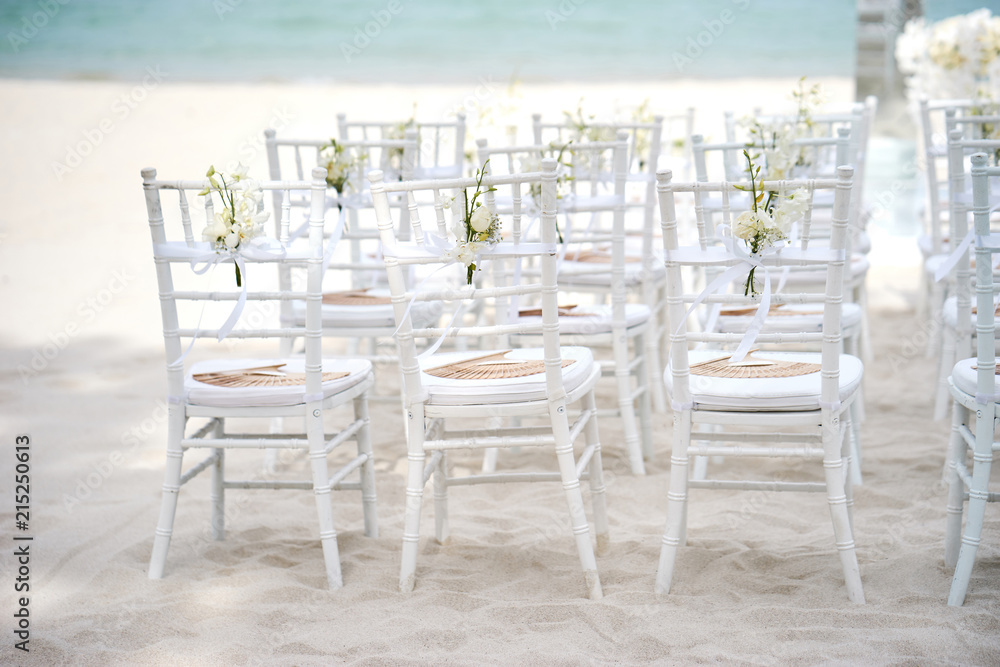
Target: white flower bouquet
(339, 163)
(476, 227)
(242, 216)
(769, 220)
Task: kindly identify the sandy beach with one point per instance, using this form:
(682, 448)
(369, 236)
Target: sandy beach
(83, 375)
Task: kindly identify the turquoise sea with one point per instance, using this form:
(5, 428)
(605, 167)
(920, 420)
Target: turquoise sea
(431, 40)
(425, 40)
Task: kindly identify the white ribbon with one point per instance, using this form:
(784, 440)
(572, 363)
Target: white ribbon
(438, 249)
(747, 262)
(944, 269)
(202, 258)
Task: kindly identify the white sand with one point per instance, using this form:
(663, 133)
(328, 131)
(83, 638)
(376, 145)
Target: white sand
(759, 583)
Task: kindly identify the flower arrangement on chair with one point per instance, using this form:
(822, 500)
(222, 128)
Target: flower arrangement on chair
(242, 216)
(768, 221)
(339, 162)
(956, 57)
(477, 228)
(776, 139)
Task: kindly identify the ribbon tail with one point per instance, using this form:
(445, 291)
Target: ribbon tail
(757, 323)
(945, 268)
(234, 316)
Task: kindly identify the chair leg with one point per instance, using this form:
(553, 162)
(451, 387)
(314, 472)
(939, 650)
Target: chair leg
(848, 447)
(956, 455)
(598, 497)
(854, 443)
(947, 361)
(934, 313)
(441, 527)
(626, 404)
(414, 496)
(833, 466)
(645, 416)
(978, 497)
(574, 498)
(171, 488)
(865, 342)
(364, 442)
(218, 494)
(673, 534)
(324, 504)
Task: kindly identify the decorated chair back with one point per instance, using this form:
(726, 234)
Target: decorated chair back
(438, 245)
(440, 144)
(750, 256)
(195, 290)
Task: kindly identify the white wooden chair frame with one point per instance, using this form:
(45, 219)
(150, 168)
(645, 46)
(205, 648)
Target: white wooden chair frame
(633, 404)
(956, 338)
(427, 430)
(828, 423)
(640, 169)
(213, 435)
(977, 411)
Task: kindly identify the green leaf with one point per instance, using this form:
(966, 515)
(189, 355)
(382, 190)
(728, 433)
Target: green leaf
(211, 171)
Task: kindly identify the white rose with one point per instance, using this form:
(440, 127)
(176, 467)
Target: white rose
(481, 219)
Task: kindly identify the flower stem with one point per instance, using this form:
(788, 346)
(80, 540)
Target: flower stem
(239, 278)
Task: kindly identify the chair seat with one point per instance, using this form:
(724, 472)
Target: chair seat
(796, 393)
(449, 391)
(791, 317)
(595, 319)
(963, 376)
(950, 313)
(583, 273)
(362, 315)
(200, 393)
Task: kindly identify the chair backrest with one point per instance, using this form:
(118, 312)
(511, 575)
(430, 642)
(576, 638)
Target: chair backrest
(433, 249)
(683, 300)
(395, 157)
(986, 245)
(182, 262)
(961, 149)
(440, 144)
(934, 137)
(602, 169)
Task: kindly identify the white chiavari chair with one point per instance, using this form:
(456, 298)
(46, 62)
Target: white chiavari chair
(487, 386)
(952, 271)
(356, 306)
(624, 327)
(211, 400)
(645, 140)
(976, 392)
(777, 391)
(937, 119)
